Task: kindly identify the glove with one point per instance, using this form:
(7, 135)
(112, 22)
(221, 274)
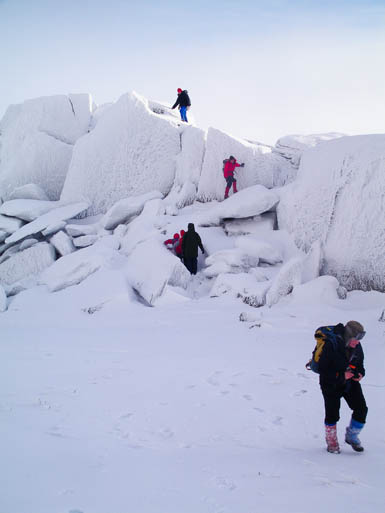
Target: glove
(243, 164)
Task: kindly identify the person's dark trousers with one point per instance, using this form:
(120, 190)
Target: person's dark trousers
(352, 393)
(191, 264)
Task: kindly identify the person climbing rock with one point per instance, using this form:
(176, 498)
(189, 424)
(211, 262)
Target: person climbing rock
(229, 166)
(191, 242)
(184, 103)
(341, 368)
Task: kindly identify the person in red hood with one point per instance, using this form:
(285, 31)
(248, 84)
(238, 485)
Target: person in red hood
(229, 166)
(178, 248)
(172, 243)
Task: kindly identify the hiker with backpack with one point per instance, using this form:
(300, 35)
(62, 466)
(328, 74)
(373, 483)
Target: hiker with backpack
(338, 358)
(191, 242)
(183, 100)
(229, 166)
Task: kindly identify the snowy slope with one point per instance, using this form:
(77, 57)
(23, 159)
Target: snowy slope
(337, 200)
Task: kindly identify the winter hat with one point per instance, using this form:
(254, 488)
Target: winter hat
(191, 227)
(179, 90)
(231, 157)
(176, 235)
(352, 329)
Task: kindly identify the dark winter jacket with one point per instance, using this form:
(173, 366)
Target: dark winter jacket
(183, 100)
(191, 242)
(334, 361)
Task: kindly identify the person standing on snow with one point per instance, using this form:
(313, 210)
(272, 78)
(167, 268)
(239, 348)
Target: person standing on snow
(173, 243)
(191, 242)
(229, 166)
(341, 369)
(178, 248)
(184, 103)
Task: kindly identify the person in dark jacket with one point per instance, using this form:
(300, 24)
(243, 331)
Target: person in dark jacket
(341, 369)
(229, 166)
(184, 103)
(191, 242)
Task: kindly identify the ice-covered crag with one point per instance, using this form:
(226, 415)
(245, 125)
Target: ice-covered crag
(130, 152)
(262, 166)
(338, 199)
(36, 141)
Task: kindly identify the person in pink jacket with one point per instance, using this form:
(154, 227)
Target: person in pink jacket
(229, 166)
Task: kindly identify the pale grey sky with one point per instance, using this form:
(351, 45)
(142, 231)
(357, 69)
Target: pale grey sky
(257, 69)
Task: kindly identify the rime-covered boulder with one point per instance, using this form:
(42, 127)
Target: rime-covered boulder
(31, 261)
(130, 152)
(262, 166)
(337, 200)
(62, 243)
(27, 209)
(37, 138)
(29, 191)
(9, 224)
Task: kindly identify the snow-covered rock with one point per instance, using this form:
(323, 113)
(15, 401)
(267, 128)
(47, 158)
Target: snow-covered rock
(256, 225)
(336, 200)
(259, 249)
(246, 203)
(150, 280)
(229, 261)
(241, 285)
(291, 147)
(130, 152)
(312, 262)
(125, 209)
(27, 209)
(61, 213)
(85, 240)
(31, 261)
(62, 243)
(27, 243)
(261, 165)
(3, 299)
(74, 268)
(9, 224)
(77, 230)
(53, 228)
(29, 191)
(287, 278)
(320, 291)
(3, 235)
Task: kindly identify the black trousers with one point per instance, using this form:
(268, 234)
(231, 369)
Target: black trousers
(351, 391)
(191, 264)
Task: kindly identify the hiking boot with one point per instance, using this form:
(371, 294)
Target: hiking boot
(351, 436)
(331, 439)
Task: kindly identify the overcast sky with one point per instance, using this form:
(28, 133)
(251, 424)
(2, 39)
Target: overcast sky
(257, 69)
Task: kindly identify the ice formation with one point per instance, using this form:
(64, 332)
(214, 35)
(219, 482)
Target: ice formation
(25, 263)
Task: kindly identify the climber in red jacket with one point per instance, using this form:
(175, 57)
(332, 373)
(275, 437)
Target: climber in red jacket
(229, 166)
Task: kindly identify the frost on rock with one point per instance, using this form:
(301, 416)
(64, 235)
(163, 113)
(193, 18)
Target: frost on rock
(246, 203)
(29, 191)
(130, 152)
(28, 209)
(263, 251)
(62, 243)
(261, 165)
(36, 141)
(252, 225)
(28, 243)
(312, 262)
(74, 268)
(53, 228)
(229, 261)
(41, 223)
(31, 261)
(336, 200)
(150, 280)
(3, 299)
(9, 224)
(287, 278)
(125, 209)
(291, 147)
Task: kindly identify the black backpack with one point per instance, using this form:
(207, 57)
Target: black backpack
(323, 335)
